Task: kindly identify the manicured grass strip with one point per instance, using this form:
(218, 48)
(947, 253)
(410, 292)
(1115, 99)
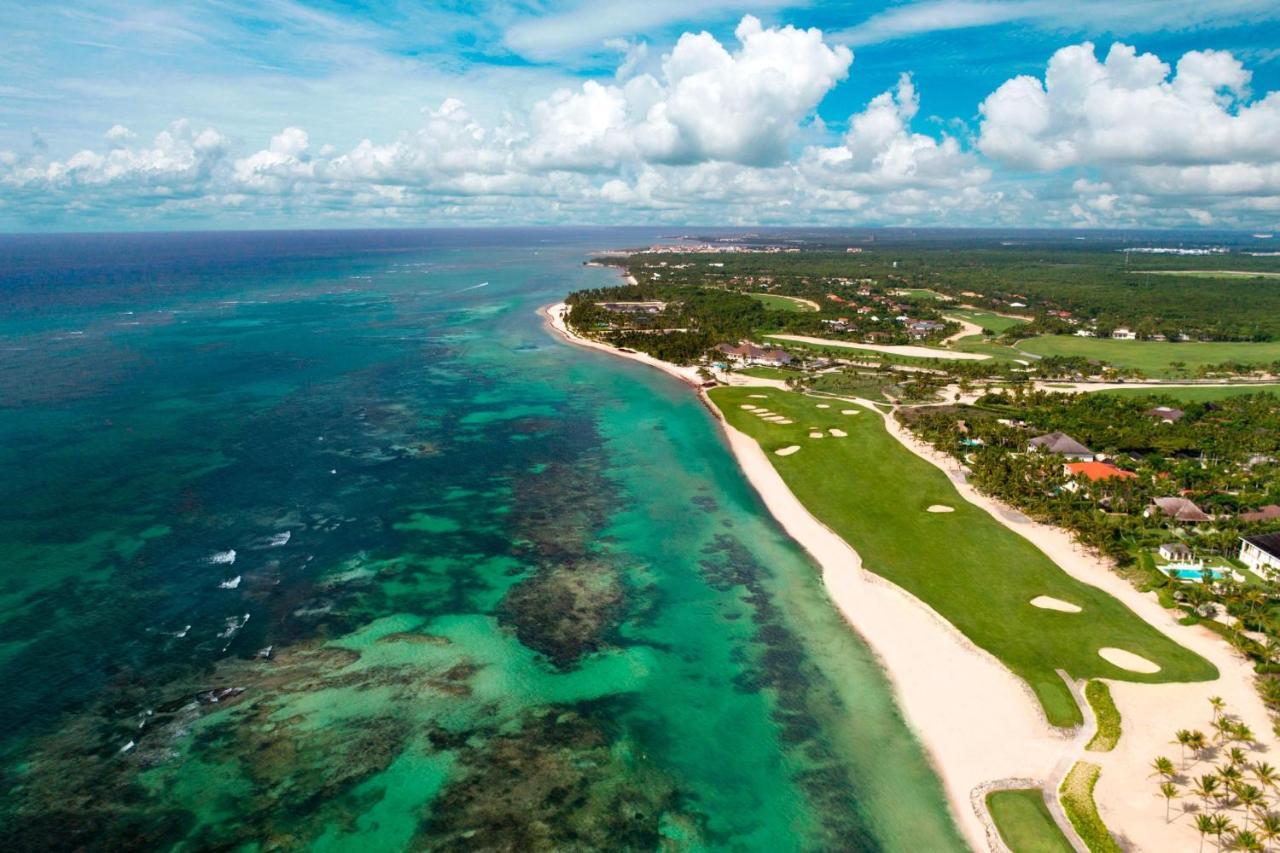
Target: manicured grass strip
(985, 319)
(761, 372)
(1195, 395)
(979, 575)
(1024, 822)
(1154, 358)
(1104, 709)
(782, 303)
(1077, 801)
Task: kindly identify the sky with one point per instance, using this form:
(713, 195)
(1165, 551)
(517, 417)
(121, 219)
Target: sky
(212, 114)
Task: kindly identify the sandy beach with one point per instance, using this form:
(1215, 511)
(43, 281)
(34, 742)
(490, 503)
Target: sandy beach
(948, 688)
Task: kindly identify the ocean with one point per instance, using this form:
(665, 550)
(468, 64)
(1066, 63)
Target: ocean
(320, 540)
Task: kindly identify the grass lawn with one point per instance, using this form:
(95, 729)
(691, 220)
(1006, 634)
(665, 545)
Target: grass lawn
(922, 293)
(976, 343)
(1024, 822)
(985, 319)
(1152, 357)
(782, 303)
(1195, 395)
(870, 351)
(762, 372)
(979, 575)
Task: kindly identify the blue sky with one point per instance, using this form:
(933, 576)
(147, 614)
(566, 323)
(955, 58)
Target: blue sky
(281, 113)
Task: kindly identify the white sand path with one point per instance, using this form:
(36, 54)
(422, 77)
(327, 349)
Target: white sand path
(891, 349)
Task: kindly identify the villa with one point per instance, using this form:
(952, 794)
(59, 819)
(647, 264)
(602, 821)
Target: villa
(1165, 414)
(1123, 334)
(1176, 509)
(1097, 471)
(1063, 444)
(749, 353)
(1261, 553)
(1270, 512)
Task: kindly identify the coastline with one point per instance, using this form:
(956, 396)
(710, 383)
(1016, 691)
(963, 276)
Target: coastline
(944, 684)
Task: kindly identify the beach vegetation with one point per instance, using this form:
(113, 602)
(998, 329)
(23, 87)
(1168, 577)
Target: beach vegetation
(1098, 694)
(1076, 796)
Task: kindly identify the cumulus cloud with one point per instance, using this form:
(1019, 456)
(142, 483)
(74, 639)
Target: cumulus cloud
(1130, 109)
(880, 151)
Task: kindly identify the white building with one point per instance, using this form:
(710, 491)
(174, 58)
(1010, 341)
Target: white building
(1123, 334)
(1261, 553)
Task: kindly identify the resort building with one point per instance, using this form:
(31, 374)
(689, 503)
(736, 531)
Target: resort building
(1123, 334)
(1062, 444)
(1176, 509)
(1261, 553)
(1176, 552)
(749, 353)
(1097, 471)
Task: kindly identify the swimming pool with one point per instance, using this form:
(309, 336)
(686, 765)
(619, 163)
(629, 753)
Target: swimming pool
(1194, 574)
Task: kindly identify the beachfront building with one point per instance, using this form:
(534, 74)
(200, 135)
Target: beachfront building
(1062, 444)
(1261, 553)
(1179, 510)
(748, 353)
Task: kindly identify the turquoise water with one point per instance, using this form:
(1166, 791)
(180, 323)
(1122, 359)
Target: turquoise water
(489, 591)
(1194, 574)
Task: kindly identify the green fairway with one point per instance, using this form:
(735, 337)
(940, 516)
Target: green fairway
(782, 303)
(869, 351)
(1024, 822)
(922, 293)
(1195, 395)
(762, 372)
(978, 574)
(976, 343)
(1154, 358)
(985, 319)
(1210, 273)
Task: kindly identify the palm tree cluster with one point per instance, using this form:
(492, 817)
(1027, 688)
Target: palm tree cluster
(1235, 796)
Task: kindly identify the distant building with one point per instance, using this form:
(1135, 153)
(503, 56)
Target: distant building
(1123, 334)
(1086, 333)
(1176, 509)
(633, 307)
(1261, 553)
(749, 353)
(1176, 552)
(1168, 414)
(1270, 512)
(1062, 444)
(1096, 471)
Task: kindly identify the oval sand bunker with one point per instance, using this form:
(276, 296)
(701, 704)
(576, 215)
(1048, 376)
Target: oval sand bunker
(941, 508)
(848, 411)
(787, 451)
(758, 396)
(1127, 660)
(1048, 602)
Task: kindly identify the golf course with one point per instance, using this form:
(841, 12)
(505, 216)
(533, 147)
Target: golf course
(909, 525)
(1158, 359)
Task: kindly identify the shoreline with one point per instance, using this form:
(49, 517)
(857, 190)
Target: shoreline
(944, 685)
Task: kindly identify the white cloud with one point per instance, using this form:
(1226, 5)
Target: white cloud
(1129, 109)
(880, 152)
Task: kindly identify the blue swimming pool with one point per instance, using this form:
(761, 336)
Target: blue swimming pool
(1194, 574)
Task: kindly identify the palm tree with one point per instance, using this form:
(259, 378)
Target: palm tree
(1237, 757)
(1198, 742)
(1163, 767)
(1218, 704)
(1242, 733)
(1265, 774)
(1207, 786)
(1221, 826)
(1204, 826)
(1246, 840)
(1251, 798)
(1269, 827)
(1170, 793)
(1183, 739)
(1223, 727)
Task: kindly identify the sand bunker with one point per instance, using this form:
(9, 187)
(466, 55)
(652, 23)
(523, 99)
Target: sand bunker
(758, 396)
(941, 508)
(748, 407)
(784, 421)
(823, 406)
(1127, 660)
(815, 434)
(848, 411)
(837, 433)
(787, 451)
(1046, 602)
